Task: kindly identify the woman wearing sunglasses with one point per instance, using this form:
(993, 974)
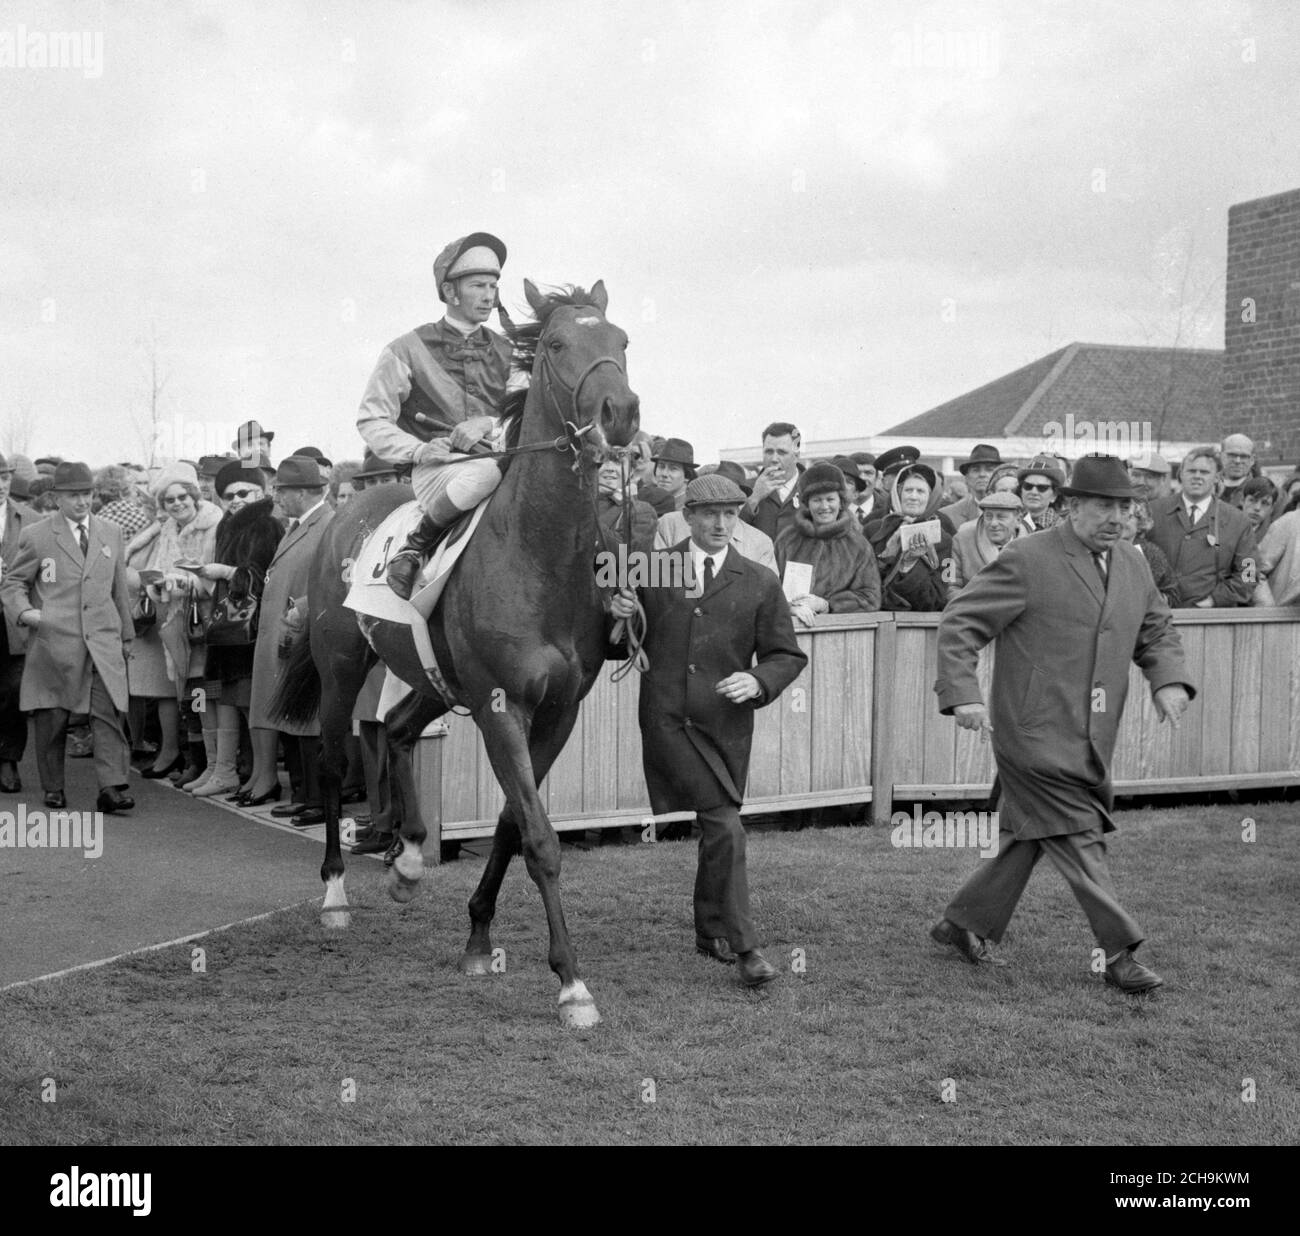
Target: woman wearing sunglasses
(247, 538)
(1040, 490)
(163, 661)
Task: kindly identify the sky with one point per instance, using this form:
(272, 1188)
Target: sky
(834, 214)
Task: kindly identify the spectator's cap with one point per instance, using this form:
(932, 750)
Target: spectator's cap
(479, 253)
(1044, 465)
(820, 478)
(1150, 462)
(248, 432)
(736, 474)
(897, 457)
(1099, 476)
(299, 472)
(863, 459)
(676, 450)
(6, 468)
(39, 484)
(713, 490)
(372, 465)
(236, 470)
(1002, 501)
(314, 452)
(210, 465)
(48, 462)
(981, 453)
(848, 465)
(173, 474)
(18, 487)
(73, 478)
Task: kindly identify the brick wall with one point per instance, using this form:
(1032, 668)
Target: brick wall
(1261, 371)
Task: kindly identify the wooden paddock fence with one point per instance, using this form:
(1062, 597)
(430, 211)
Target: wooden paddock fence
(861, 726)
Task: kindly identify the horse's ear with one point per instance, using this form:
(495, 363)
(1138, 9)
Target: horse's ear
(600, 297)
(535, 298)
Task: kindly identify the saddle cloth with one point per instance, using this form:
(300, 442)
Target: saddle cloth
(369, 593)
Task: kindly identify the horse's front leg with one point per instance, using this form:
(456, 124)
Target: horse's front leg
(519, 770)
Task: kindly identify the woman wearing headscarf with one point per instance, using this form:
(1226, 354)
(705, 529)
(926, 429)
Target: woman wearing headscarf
(163, 659)
(825, 534)
(911, 567)
(247, 538)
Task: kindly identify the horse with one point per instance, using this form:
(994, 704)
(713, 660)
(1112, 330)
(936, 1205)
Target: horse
(520, 632)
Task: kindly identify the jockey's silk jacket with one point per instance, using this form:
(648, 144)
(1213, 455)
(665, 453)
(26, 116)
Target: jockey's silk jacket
(439, 373)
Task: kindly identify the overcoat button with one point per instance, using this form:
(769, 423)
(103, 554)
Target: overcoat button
(689, 723)
(690, 669)
(699, 613)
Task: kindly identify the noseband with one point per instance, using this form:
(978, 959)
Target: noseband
(572, 431)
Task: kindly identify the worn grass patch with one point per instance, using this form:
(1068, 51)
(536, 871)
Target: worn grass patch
(287, 1020)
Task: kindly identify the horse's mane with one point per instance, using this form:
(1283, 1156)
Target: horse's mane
(524, 337)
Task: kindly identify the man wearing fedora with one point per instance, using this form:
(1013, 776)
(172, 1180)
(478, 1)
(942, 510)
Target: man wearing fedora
(775, 496)
(674, 468)
(253, 444)
(977, 470)
(754, 544)
(13, 642)
(1069, 610)
(300, 494)
(717, 652)
(434, 399)
(67, 587)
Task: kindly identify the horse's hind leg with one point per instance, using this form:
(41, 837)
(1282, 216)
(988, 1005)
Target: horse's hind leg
(477, 958)
(404, 724)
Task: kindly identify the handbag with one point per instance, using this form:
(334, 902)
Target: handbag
(232, 623)
(145, 614)
(196, 627)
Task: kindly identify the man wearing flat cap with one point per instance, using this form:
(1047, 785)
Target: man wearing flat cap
(435, 397)
(746, 539)
(1069, 609)
(67, 586)
(978, 541)
(717, 652)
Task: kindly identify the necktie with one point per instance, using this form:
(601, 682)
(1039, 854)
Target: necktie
(1194, 514)
(1100, 561)
(83, 539)
(708, 573)
(293, 523)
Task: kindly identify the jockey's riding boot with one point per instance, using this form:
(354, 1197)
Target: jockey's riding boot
(404, 566)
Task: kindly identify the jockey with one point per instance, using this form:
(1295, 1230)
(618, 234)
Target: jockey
(435, 397)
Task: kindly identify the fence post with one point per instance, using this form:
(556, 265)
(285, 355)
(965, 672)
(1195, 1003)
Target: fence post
(882, 722)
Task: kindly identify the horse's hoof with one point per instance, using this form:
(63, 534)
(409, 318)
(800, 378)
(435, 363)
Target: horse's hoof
(399, 889)
(577, 1008)
(579, 1014)
(335, 919)
(475, 963)
(334, 911)
(409, 864)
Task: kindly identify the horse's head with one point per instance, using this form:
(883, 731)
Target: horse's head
(581, 365)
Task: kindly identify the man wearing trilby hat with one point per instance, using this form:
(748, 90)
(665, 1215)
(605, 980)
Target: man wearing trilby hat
(1069, 609)
(435, 396)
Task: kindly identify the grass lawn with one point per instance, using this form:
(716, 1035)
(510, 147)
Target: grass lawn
(288, 1022)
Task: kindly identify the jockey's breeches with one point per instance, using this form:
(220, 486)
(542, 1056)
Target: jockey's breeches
(462, 485)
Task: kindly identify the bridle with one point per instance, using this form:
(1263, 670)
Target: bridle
(572, 432)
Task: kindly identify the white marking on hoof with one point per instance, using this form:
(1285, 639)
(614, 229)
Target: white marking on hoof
(476, 963)
(335, 919)
(334, 911)
(577, 1008)
(409, 864)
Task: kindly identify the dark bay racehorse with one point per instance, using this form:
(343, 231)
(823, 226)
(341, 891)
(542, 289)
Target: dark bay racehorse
(520, 631)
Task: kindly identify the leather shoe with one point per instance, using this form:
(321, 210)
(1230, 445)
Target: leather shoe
(112, 799)
(1131, 976)
(717, 948)
(377, 843)
(10, 782)
(755, 969)
(56, 799)
(284, 810)
(352, 796)
(307, 817)
(967, 943)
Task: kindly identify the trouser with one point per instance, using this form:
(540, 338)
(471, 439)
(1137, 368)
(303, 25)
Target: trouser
(374, 758)
(13, 721)
(302, 759)
(112, 752)
(986, 902)
(721, 883)
(445, 490)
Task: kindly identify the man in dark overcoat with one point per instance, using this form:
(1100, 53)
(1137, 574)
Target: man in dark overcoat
(13, 642)
(718, 650)
(1070, 608)
(67, 586)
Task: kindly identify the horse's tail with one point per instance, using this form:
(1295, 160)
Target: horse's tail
(297, 698)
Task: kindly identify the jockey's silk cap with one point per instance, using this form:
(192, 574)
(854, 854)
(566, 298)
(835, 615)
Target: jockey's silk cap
(1151, 462)
(1001, 501)
(72, 478)
(713, 490)
(897, 456)
(981, 453)
(479, 253)
(1099, 476)
(299, 472)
